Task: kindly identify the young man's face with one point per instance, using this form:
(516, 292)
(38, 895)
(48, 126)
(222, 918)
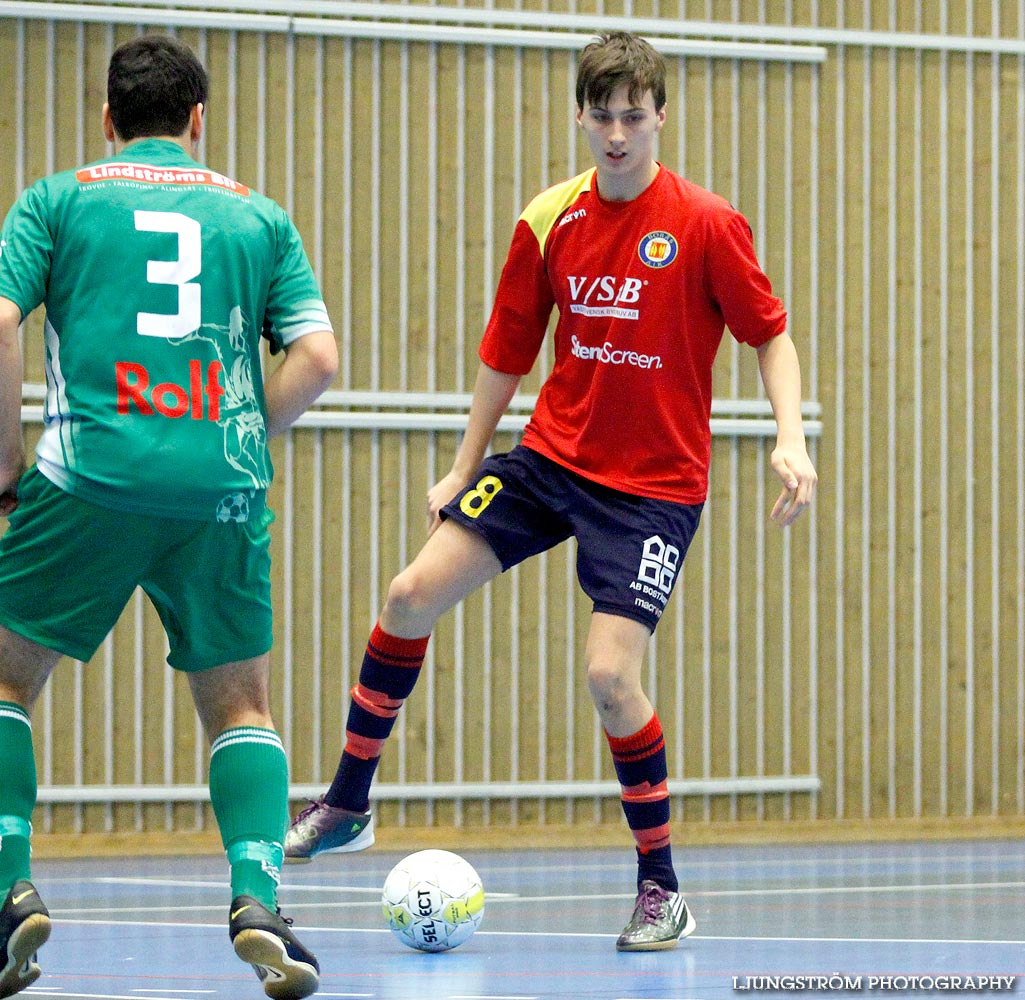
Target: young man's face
(622, 138)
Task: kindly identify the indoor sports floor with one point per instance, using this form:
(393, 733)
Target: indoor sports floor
(156, 928)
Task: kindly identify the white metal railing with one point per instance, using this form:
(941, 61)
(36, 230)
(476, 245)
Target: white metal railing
(412, 411)
(787, 42)
(250, 18)
(440, 791)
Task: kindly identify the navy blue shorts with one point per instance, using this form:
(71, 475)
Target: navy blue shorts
(629, 548)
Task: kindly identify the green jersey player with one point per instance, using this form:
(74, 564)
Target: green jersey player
(159, 278)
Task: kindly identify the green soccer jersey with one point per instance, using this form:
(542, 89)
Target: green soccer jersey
(159, 277)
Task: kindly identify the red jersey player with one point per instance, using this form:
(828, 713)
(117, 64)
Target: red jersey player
(647, 270)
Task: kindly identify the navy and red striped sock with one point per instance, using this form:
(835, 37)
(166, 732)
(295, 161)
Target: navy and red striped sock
(641, 767)
(389, 673)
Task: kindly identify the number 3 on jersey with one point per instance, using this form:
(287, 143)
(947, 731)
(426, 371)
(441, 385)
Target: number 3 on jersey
(474, 501)
(178, 273)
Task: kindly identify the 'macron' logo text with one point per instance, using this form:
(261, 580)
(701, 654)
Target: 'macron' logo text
(200, 399)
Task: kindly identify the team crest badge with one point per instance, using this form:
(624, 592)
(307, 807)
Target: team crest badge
(658, 249)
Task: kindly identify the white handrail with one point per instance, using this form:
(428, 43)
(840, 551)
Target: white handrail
(25, 10)
(365, 399)
(522, 402)
(251, 17)
(562, 40)
(788, 35)
(390, 421)
(461, 791)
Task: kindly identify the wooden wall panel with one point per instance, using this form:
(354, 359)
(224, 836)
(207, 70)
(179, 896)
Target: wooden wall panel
(880, 644)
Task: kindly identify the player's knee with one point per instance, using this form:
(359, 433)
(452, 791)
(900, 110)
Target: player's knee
(409, 600)
(608, 683)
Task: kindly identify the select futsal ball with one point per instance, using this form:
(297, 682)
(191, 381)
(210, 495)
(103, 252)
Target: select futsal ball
(433, 900)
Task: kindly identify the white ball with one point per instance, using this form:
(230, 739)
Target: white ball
(433, 900)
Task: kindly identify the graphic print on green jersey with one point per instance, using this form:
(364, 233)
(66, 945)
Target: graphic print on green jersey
(245, 433)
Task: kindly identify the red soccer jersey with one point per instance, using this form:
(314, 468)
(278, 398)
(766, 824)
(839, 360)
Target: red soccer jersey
(644, 290)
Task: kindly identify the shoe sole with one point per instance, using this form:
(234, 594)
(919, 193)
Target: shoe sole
(360, 842)
(283, 978)
(28, 937)
(688, 929)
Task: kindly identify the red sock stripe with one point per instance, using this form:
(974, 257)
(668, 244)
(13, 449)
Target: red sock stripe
(641, 744)
(362, 746)
(629, 758)
(396, 652)
(646, 792)
(376, 702)
(650, 840)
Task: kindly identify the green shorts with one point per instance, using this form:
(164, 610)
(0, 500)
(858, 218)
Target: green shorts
(68, 568)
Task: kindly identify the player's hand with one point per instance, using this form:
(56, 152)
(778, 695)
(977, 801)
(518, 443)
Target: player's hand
(9, 477)
(799, 478)
(439, 495)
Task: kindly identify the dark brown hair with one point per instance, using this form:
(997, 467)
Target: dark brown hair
(153, 83)
(615, 58)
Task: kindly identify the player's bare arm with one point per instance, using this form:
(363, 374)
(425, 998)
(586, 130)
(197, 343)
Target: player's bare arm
(492, 393)
(781, 376)
(310, 366)
(12, 446)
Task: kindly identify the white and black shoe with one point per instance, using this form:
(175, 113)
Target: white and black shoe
(24, 929)
(287, 969)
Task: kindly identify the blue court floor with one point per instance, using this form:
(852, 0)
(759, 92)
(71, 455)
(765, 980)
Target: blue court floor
(156, 928)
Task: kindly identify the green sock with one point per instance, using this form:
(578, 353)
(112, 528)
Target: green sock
(17, 794)
(249, 792)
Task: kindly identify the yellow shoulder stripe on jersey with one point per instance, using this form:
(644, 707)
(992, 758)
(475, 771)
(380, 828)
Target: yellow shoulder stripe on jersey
(544, 211)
